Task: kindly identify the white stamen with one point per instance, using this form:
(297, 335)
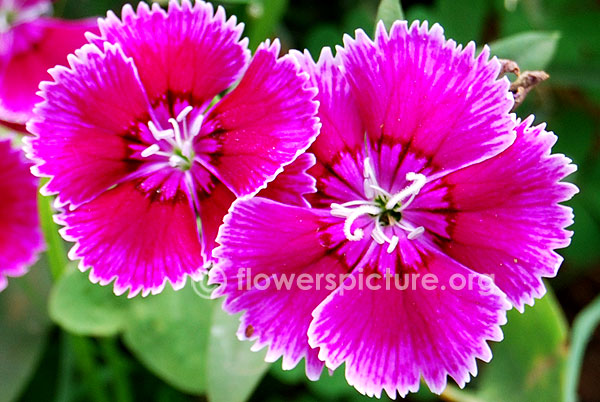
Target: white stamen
(352, 204)
(377, 233)
(370, 179)
(368, 171)
(176, 129)
(162, 134)
(393, 244)
(339, 213)
(183, 114)
(182, 153)
(197, 124)
(368, 189)
(151, 150)
(377, 237)
(394, 204)
(416, 233)
(353, 216)
(381, 190)
(418, 181)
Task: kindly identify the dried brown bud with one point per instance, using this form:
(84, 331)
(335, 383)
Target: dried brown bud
(525, 83)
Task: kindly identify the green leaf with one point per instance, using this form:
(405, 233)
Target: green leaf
(528, 365)
(322, 35)
(584, 247)
(584, 326)
(531, 50)
(84, 308)
(294, 376)
(463, 20)
(55, 248)
(233, 370)
(23, 330)
(169, 334)
(333, 385)
(388, 12)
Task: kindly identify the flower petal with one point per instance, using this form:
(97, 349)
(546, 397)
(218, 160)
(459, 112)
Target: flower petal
(341, 137)
(293, 183)
(192, 52)
(20, 235)
(263, 240)
(503, 214)
(23, 68)
(342, 129)
(139, 239)
(83, 127)
(416, 89)
(389, 336)
(213, 207)
(264, 124)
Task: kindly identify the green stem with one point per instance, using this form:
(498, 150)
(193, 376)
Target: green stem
(55, 247)
(114, 359)
(84, 354)
(65, 377)
(583, 328)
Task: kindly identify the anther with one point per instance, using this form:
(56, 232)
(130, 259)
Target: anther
(183, 114)
(416, 233)
(393, 244)
(151, 150)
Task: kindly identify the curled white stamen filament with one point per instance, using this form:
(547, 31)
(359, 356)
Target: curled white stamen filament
(418, 181)
(381, 203)
(353, 216)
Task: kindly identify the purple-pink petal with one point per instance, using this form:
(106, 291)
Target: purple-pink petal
(341, 127)
(264, 240)
(262, 125)
(82, 125)
(136, 238)
(212, 207)
(20, 235)
(293, 184)
(27, 52)
(389, 337)
(502, 218)
(416, 89)
(191, 51)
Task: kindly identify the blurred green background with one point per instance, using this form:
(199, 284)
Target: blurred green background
(73, 341)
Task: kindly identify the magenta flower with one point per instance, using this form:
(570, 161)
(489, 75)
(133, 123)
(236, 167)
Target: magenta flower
(421, 173)
(20, 235)
(30, 44)
(138, 150)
